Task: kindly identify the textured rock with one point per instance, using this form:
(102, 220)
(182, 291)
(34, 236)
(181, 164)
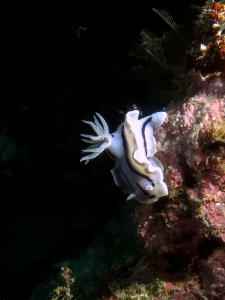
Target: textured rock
(212, 274)
(178, 229)
(191, 148)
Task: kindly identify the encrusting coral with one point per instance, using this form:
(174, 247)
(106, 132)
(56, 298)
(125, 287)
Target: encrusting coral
(191, 148)
(207, 52)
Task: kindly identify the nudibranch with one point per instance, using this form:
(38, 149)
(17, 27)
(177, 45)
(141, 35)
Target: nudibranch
(132, 146)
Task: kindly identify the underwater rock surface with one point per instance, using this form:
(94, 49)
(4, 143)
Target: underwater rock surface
(190, 222)
(184, 233)
(191, 147)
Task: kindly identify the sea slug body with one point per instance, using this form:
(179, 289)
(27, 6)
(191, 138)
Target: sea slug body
(132, 146)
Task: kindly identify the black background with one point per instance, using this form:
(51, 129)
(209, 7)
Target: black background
(61, 62)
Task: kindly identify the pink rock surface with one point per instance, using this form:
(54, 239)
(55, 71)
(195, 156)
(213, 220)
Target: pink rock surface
(184, 233)
(212, 275)
(191, 147)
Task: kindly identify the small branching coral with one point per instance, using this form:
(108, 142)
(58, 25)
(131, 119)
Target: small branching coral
(64, 292)
(176, 29)
(158, 48)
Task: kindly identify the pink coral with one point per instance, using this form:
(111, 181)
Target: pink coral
(191, 148)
